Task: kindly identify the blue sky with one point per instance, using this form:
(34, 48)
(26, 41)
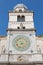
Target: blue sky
(35, 5)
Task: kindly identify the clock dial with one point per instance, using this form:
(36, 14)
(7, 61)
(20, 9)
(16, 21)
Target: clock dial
(21, 43)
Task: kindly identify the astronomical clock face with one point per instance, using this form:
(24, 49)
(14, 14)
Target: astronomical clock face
(21, 43)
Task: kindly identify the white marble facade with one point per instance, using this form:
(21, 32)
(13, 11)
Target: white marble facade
(20, 32)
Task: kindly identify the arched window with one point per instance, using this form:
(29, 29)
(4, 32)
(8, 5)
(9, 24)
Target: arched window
(23, 18)
(20, 18)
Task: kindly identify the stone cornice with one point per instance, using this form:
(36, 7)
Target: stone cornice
(10, 29)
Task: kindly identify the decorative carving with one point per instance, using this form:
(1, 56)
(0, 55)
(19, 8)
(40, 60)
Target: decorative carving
(21, 25)
(20, 58)
(3, 50)
(38, 49)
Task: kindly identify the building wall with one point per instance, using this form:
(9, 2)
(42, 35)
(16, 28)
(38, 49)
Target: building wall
(3, 45)
(39, 40)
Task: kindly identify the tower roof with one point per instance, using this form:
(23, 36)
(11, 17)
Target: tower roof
(20, 6)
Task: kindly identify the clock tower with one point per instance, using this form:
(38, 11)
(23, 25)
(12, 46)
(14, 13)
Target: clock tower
(21, 46)
(21, 34)
(21, 31)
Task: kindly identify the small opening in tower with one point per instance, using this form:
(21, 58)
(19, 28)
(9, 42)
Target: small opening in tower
(23, 27)
(18, 18)
(20, 10)
(18, 27)
(23, 18)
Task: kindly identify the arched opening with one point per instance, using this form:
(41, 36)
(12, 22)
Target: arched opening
(23, 18)
(20, 18)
